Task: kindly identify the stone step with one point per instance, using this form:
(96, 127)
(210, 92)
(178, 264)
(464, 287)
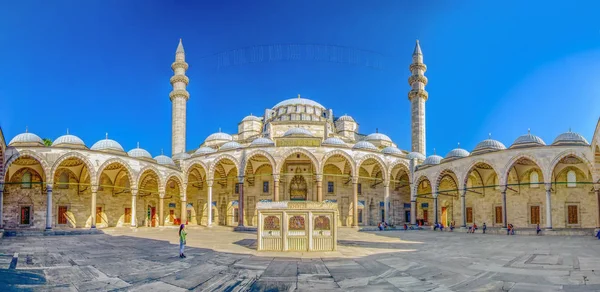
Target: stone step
(53, 232)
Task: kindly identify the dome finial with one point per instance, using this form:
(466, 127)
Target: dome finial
(138, 145)
(106, 135)
(27, 129)
(298, 95)
(161, 152)
(489, 135)
(67, 131)
(529, 131)
(569, 129)
(219, 129)
(433, 151)
(376, 130)
(458, 144)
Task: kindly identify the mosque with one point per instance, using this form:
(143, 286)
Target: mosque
(299, 150)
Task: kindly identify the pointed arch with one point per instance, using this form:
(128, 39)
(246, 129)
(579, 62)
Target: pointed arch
(342, 153)
(503, 179)
(403, 165)
(130, 173)
(464, 175)
(292, 151)
(85, 160)
(569, 152)
(418, 181)
(28, 153)
(177, 178)
(449, 171)
(258, 152)
(149, 168)
(195, 163)
(218, 159)
(379, 160)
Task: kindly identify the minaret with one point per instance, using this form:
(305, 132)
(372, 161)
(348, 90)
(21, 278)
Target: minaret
(179, 97)
(417, 97)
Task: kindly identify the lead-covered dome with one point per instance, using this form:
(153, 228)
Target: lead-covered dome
(68, 140)
(570, 138)
(164, 160)
(298, 132)
(299, 101)
(378, 137)
(140, 153)
(262, 142)
(333, 141)
(433, 160)
(392, 150)
(26, 139)
(251, 118)
(219, 136)
(488, 145)
(528, 140)
(204, 150)
(182, 156)
(364, 145)
(457, 153)
(108, 145)
(230, 146)
(417, 155)
(346, 118)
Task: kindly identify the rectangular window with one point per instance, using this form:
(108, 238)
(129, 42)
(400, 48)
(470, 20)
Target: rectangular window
(62, 214)
(98, 215)
(469, 215)
(265, 187)
(127, 218)
(237, 188)
(572, 215)
(359, 188)
(25, 215)
(425, 216)
(360, 215)
(330, 187)
(236, 215)
(498, 215)
(535, 214)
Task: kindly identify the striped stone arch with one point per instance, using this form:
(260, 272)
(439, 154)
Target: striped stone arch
(211, 168)
(382, 163)
(503, 178)
(447, 171)
(86, 161)
(153, 169)
(560, 156)
(191, 164)
(28, 153)
(417, 182)
(178, 180)
(289, 152)
(342, 153)
(257, 152)
(131, 174)
(464, 175)
(404, 165)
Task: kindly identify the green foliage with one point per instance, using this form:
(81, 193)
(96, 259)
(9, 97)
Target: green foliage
(47, 142)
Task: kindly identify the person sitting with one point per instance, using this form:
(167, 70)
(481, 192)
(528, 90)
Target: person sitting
(452, 226)
(512, 229)
(484, 227)
(538, 230)
(441, 227)
(474, 227)
(380, 226)
(405, 227)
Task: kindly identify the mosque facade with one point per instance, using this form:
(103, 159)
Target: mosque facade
(299, 150)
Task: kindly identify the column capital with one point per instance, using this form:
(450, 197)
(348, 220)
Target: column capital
(183, 199)
(595, 186)
(355, 179)
(413, 201)
(276, 177)
(48, 187)
(209, 182)
(162, 192)
(319, 177)
(548, 186)
(94, 189)
(240, 179)
(134, 192)
(503, 189)
(464, 192)
(386, 183)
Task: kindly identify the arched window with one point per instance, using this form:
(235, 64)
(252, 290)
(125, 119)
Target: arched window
(63, 180)
(26, 180)
(571, 179)
(534, 179)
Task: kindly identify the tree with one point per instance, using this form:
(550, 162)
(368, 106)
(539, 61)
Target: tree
(47, 142)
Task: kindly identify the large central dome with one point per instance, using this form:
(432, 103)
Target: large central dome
(298, 101)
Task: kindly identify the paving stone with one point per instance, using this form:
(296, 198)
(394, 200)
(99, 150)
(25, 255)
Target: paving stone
(156, 287)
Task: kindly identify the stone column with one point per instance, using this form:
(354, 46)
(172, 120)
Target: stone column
(134, 193)
(413, 212)
(548, 205)
(463, 205)
(1, 206)
(435, 208)
(183, 197)
(319, 178)
(241, 202)
(597, 202)
(504, 213)
(275, 187)
(93, 211)
(161, 207)
(386, 200)
(209, 183)
(49, 206)
(355, 201)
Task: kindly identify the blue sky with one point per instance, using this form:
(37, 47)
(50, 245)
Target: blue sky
(497, 67)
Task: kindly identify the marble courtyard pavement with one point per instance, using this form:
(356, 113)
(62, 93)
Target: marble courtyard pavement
(219, 259)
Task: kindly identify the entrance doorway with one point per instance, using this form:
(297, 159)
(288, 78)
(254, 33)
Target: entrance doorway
(153, 219)
(407, 216)
(62, 215)
(382, 215)
(445, 216)
(25, 215)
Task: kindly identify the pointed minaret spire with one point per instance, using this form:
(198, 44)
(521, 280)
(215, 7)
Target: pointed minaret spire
(179, 97)
(180, 48)
(417, 50)
(418, 96)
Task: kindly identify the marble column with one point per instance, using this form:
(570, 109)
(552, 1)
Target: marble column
(93, 211)
(1, 206)
(209, 183)
(161, 207)
(386, 200)
(435, 208)
(319, 178)
(463, 205)
(413, 212)
(134, 193)
(504, 213)
(597, 202)
(183, 197)
(354, 201)
(49, 206)
(241, 202)
(548, 205)
(275, 187)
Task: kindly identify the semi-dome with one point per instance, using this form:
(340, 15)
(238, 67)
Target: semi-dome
(139, 153)
(299, 101)
(107, 145)
(378, 137)
(181, 156)
(26, 139)
(488, 145)
(298, 132)
(416, 155)
(528, 140)
(230, 145)
(334, 141)
(219, 136)
(68, 140)
(262, 142)
(204, 150)
(433, 160)
(392, 150)
(251, 117)
(457, 153)
(365, 145)
(346, 118)
(164, 160)
(570, 138)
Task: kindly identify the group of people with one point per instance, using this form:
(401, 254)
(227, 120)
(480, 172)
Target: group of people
(474, 228)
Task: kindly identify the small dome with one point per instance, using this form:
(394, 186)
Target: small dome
(488, 145)
(298, 132)
(457, 153)
(433, 160)
(300, 101)
(346, 118)
(528, 140)
(333, 141)
(204, 150)
(378, 137)
(416, 155)
(181, 156)
(570, 138)
(252, 118)
(230, 145)
(26, 139)
(164, 160)
(392, 150)
(262, 142)
(139, 153)
(68, 140)
(107, 145)
(218, 137)
(365, 145)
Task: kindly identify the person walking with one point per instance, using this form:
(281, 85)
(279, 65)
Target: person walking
(182, 235)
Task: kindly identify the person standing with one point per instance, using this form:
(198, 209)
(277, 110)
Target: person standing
(538, 230)
(182, 235)
(484, 227)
